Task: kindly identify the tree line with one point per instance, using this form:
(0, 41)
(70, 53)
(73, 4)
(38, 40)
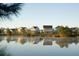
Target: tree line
(59, 31)
(66, 31)
(63, 31)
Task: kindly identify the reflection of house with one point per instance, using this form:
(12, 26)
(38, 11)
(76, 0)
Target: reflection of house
(47, 42)
(35, 30)
(48, 29)
(37, 40)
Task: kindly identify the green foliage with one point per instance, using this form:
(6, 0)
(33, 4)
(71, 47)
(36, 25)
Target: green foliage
(42, 33)
(63, 31)
(8, 9)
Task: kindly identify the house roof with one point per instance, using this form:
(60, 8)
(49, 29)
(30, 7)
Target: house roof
(47, 26)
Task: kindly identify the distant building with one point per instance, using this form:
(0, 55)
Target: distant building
(74, 30)
(47, 29)
(35, 30)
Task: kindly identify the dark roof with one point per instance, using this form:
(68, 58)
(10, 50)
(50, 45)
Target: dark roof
(35, 26)
(47, 26)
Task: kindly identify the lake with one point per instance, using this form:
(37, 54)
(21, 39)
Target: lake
(37, 46)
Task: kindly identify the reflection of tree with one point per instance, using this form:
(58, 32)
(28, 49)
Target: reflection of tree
(8, 39)
(3, 51)
(1, 38)
(64, 42)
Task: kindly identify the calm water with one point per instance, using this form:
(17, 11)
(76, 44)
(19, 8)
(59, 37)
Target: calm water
(36, 46)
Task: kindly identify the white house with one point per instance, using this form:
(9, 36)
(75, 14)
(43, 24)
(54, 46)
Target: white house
(47, 28)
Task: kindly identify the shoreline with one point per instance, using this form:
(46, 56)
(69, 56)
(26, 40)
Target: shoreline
(40, 36)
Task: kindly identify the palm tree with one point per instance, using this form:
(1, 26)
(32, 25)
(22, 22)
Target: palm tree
(8, 9)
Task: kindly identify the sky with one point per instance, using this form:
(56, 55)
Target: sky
(39, 14)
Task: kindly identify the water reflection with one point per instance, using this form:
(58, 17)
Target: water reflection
(23, 45)
(21, 40)
(3, 49)
(47, 41)
(62, 42)
(37, 40)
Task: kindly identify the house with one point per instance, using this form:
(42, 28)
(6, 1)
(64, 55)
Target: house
(74, 31)
(47, 29)
(35, 30)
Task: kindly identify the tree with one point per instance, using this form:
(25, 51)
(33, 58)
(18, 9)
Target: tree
(63, 31)
(59, 30)
(23, 30)
(6, 10)
(8, 32)
(28, 32)
(68, 31)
